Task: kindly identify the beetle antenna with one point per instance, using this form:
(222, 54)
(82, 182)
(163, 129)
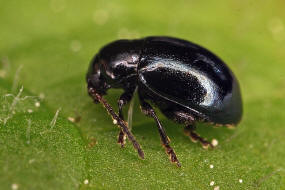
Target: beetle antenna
(117, 120)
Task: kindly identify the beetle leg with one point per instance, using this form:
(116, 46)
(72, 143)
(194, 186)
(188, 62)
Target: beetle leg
(189, 130)
(122, 124)
(149, 111)
(123, 100)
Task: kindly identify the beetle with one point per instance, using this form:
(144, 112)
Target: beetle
(185, 81)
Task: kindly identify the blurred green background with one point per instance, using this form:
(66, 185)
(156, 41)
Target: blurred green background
(46, 46)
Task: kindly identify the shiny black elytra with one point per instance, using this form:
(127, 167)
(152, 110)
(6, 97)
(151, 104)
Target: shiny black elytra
(185, 81)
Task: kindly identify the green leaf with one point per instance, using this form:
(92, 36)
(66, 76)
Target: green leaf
(45, 49)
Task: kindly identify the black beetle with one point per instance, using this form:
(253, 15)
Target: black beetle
(185, 81)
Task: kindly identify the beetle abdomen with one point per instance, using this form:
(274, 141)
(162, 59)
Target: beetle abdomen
(191, 76)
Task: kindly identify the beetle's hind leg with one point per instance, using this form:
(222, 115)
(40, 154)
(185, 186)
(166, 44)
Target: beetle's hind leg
(189, 130)
(123, 100)
(149, 111)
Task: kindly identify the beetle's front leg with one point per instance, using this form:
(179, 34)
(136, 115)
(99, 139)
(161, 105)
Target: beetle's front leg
(189, 130)
(149, 111)
(122, 124)
(123, 100)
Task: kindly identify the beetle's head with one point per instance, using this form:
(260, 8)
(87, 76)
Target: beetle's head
(95, 78)
(114, 66)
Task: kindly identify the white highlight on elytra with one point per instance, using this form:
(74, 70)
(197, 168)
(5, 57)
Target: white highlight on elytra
(53, 121)
(207, 84)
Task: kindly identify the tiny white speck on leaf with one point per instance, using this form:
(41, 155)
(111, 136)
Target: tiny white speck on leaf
(72, 119)
(215, 142)
(217, 188)
(37, 104)
(240, 180)
(211, 166)
(86, 181)
(14, 186)
(212, 183)
(115, 121)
